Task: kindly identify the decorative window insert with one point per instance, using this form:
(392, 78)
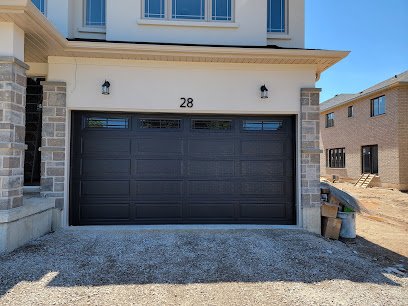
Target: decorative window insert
(262, 125)
(329, 120)
(216, 125)
(199, 10)
(378, 106)
(95, 13)
(276, 16)
(336, 158)
(350, 111)
(160, 123)
(106, 123)
(40, 4)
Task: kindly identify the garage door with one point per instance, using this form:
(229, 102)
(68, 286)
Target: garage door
(168, 169)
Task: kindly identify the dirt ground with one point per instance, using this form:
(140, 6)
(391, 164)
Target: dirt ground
(382, 230)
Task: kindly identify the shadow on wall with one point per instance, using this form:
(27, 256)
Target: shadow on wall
(105, 257)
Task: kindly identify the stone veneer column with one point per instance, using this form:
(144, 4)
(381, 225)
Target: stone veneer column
(53, 141)
(310, 159)
(12, 131)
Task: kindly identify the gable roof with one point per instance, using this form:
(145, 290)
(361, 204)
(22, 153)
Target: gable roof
(341, 99)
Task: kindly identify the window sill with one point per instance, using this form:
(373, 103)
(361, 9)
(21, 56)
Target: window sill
(282, 36)
(100, 30)
(382, 115)
(178, 23)
(336, 168)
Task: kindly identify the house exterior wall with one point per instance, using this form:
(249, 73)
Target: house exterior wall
(158, 86)
(124, 22)
(220, 89)
(362, 130)
(403, 135)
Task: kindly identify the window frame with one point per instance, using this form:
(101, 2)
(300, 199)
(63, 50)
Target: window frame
(286, 21)
(85, 12)
(332, 158)
(372, 106)
(328, 120)
(168, 13)
(45, 7)
(350, 111)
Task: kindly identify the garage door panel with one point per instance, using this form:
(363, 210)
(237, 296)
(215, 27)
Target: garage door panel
(105, 167)
(210, 188)
(262, 168)
(211, 146)
(157, 188)
(259, 148)
(104, 211)
(262, 188)
(158, 145)
(158, 168)
(158, 210)
(106, 146)
(262, 210)
(217, 168)
(106, 188)
(212, 211)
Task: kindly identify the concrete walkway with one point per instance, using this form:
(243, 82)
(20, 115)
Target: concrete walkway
(108, 266)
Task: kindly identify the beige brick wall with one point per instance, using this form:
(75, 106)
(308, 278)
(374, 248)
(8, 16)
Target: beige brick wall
(403, 136)
(361, 130)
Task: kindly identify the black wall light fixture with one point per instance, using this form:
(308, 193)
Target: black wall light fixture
(105, 88)
(264, 92)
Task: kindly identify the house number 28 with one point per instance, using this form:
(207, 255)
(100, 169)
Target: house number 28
(187, 102)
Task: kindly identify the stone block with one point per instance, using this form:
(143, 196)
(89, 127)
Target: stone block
(55, 171)
(11, 162)
(47, 184)
(57, 99)
(56, 142)
(58, 156)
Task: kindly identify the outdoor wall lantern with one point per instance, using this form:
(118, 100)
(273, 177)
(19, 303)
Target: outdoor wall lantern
(264, 92)
(105, 88)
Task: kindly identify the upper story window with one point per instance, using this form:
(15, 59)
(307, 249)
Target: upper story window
(330, 120)
(350, 111)
(40, 4)
(277, 16)
(204, 10)
(378, 106)
(95, 12)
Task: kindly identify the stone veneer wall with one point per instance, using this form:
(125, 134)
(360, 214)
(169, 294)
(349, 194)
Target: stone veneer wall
(53, 142)
(12, 131)
(310, 159)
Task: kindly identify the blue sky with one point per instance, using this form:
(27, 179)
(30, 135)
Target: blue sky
(376, 33)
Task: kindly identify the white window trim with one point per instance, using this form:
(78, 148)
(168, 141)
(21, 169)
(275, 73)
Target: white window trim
(281, 35)
(168, 11)
(91, 28)
(45, 8)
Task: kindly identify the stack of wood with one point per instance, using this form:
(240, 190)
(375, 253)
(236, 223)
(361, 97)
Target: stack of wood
(331, 225)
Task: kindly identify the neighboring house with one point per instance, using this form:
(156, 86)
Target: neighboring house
(157, 112)
(368, 133)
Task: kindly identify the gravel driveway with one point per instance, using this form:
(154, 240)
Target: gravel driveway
(121, 266)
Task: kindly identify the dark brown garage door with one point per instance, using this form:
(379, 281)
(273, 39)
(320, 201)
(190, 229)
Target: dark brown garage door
(168, 169)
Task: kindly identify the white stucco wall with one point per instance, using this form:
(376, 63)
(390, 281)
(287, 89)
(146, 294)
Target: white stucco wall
(158, 86)
(11, 40)
(250, 19)
(124, 22)
(58, 13)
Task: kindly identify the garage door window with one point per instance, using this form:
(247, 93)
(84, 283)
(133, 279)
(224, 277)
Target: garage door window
(264, 125)
(215, 125)
(106, 123)
(160, 124)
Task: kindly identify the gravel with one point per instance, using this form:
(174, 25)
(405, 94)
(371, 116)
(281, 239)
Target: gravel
(113, 266)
